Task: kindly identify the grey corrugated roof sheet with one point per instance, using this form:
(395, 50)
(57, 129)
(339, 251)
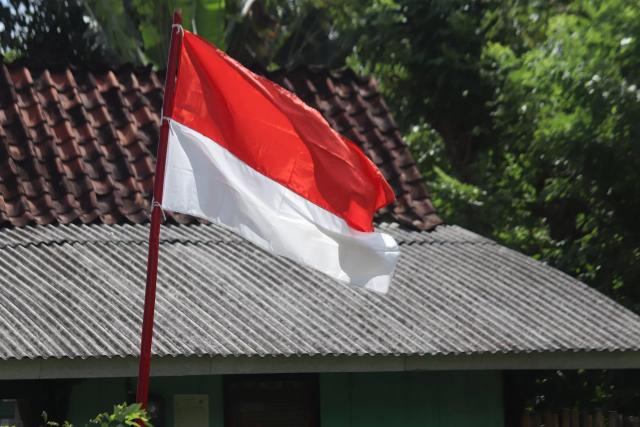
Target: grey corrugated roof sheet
(77, 291)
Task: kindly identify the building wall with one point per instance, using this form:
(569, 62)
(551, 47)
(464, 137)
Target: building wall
(408, 399)
(93, 396)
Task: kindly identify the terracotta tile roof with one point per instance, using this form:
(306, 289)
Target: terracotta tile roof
(79, 146)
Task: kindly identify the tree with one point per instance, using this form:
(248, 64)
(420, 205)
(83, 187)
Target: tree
(98, 32)
(566, 113)
(263, 34)
(51, 33)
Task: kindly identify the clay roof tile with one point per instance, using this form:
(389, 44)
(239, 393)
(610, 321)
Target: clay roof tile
(79, 146)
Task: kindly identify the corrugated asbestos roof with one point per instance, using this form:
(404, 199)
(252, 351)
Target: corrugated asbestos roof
(77, 291)
(79, 146)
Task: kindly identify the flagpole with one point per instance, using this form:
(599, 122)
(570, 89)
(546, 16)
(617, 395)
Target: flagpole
(142, 393)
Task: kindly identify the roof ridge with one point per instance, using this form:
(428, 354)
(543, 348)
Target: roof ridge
(197, 233)
(194, 240)
(83, 67)
(104, 241)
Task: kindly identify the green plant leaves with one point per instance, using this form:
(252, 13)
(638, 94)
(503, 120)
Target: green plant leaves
(123, 415)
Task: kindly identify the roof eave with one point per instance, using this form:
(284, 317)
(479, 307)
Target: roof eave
(204, 365)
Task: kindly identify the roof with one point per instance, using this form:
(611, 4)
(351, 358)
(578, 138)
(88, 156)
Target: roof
(71, 291)
(76, 173)
(78, 146)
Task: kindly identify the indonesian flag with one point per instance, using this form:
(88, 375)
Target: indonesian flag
(247, 154)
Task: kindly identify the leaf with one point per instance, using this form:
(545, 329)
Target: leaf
(209, 19)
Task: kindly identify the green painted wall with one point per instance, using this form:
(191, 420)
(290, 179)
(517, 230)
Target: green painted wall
(92, 396)
(407, 399)
(412, 399)
(7, 410)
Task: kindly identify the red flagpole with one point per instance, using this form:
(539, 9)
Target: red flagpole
(156, 212)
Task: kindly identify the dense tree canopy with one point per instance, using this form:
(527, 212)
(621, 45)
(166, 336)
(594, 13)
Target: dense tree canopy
(524, 115)
(566, 114)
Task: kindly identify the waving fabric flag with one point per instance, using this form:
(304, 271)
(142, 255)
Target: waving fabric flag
(245, 153)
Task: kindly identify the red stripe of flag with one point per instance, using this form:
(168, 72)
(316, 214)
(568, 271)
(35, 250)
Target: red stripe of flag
(274, 132)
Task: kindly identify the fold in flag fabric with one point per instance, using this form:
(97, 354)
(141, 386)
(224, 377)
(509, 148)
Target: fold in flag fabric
(245, 153)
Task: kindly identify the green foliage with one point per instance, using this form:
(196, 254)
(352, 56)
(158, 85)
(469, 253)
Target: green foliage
(286, 34)
(102, 32)
(567, 114)
(456, 200)
(426, 57)
(49, 423)
(111, 20)
(123, 415)
(154, 18)
(51, 33)
(260, 33)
